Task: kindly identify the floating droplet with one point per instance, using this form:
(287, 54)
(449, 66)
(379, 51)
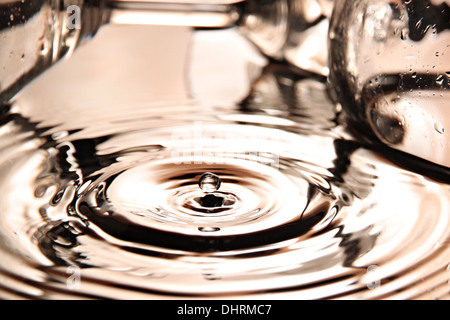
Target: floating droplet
(209, 182)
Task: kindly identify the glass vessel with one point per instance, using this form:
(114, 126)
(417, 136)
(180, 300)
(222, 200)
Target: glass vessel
(390, 69)
(34, 34)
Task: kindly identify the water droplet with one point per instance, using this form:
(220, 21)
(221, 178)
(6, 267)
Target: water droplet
(439, 128)
(440, 79)
(414, 75)
(208, 229)
(404, 34)
(209, 182)
(437, 53)
(419, 23)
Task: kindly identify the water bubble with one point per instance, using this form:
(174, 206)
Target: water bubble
(209, 182)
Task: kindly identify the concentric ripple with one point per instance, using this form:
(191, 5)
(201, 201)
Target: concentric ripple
(260, 189)
(270, 198)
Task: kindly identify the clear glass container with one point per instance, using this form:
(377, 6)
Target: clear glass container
(390, 69)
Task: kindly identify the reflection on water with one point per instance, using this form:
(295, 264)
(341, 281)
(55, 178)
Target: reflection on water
(112, 201)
